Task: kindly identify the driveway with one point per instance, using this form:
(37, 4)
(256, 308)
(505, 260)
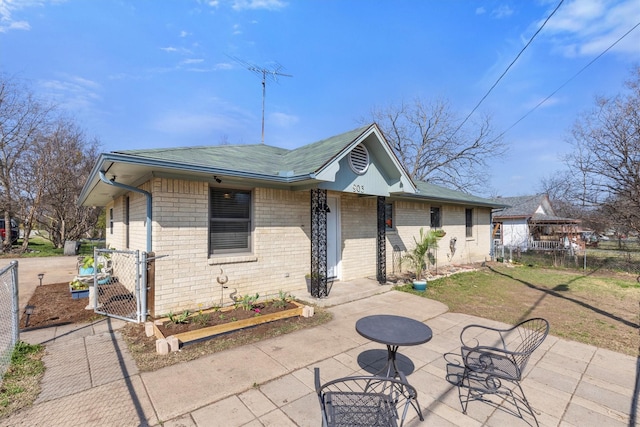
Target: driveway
(56, 270)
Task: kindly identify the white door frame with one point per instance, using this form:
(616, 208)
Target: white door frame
(334, 251)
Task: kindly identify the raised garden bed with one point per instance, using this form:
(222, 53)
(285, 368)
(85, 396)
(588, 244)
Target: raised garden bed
(209, 323)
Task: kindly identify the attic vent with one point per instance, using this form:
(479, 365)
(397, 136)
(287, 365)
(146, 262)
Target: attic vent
(359, 159)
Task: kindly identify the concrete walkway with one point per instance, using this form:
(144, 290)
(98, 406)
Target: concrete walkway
(91, 380)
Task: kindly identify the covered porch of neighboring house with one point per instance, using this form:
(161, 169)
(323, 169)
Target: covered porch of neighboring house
(544, 233)
(548, 234)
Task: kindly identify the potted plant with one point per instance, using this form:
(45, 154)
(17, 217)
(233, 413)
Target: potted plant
(88, 265)
(420, 257)
(307, 278)
(79, 288)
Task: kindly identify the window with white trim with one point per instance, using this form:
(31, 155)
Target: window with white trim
(229, 221)
(436, 219)
(468, 222)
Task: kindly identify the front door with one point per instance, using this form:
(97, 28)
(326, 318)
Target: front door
(333, 238)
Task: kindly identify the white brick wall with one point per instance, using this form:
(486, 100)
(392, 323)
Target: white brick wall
(187, 278)
(411, 216)
(137, 222)
(280, 258)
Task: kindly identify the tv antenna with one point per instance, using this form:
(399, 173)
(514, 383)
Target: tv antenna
(271, 73)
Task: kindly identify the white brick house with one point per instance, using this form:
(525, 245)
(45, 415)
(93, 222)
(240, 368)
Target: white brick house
(267, 216)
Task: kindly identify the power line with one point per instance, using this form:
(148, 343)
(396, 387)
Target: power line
(508, 68)
(570, 79)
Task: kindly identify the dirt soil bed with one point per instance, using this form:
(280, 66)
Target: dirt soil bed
(53, 306)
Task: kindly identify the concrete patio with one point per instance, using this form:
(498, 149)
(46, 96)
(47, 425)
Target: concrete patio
(92, 380)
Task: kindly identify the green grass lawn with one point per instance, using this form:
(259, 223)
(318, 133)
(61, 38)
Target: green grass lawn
(598, 308)
(41, 247)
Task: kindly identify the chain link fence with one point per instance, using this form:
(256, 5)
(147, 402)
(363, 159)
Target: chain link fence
(618, 256)
(120, 284)
(9, 316)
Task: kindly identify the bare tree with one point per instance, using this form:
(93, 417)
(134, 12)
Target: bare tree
(606, 151)
(22, 119)
(561, 189)
(66, 156)
(434, 145)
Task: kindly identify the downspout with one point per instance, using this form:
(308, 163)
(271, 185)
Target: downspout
(113, 182)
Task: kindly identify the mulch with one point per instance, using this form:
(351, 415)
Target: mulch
(53, 306)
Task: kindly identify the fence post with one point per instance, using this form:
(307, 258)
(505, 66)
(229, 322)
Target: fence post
(150, 301)
(16, 303)
(142, 287)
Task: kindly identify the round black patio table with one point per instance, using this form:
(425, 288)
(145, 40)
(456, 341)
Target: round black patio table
(393, 331)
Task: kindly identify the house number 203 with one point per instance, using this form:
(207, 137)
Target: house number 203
(358, 188)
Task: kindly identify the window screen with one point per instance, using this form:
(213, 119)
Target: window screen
(230, 221)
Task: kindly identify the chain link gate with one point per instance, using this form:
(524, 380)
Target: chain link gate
(120, 284)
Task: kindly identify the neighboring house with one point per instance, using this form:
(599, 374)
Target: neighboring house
(266, 216)
(529, 222)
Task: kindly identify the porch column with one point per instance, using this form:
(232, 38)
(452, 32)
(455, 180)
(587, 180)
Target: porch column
(381, 260)
(318, 271)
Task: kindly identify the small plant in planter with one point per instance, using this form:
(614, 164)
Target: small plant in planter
(178, 319)
(307, 278)
(248, 301)
(88, 264)
(79, 289)
(421, 257)
(282, 300)
(439, 233)
(78, 285)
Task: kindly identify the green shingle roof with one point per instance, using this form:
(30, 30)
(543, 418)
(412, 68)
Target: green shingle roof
(436, 192)
(260, 159)
(313, 156)
(269, 161)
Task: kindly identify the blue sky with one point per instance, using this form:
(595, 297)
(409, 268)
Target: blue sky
(160, 73)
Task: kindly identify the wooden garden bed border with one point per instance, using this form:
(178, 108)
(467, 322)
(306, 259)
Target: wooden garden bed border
(186, 337)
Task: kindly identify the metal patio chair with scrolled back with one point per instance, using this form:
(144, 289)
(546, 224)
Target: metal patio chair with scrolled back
(369, 401)
(492, 356)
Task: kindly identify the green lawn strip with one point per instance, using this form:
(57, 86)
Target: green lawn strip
(594, 309)
(21, 382)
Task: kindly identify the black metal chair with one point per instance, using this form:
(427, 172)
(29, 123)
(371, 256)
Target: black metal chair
(491, 356)
(365, 400)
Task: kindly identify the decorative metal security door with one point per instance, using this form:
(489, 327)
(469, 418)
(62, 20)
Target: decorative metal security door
(120, 284)
(318, 271)
(381, 256)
